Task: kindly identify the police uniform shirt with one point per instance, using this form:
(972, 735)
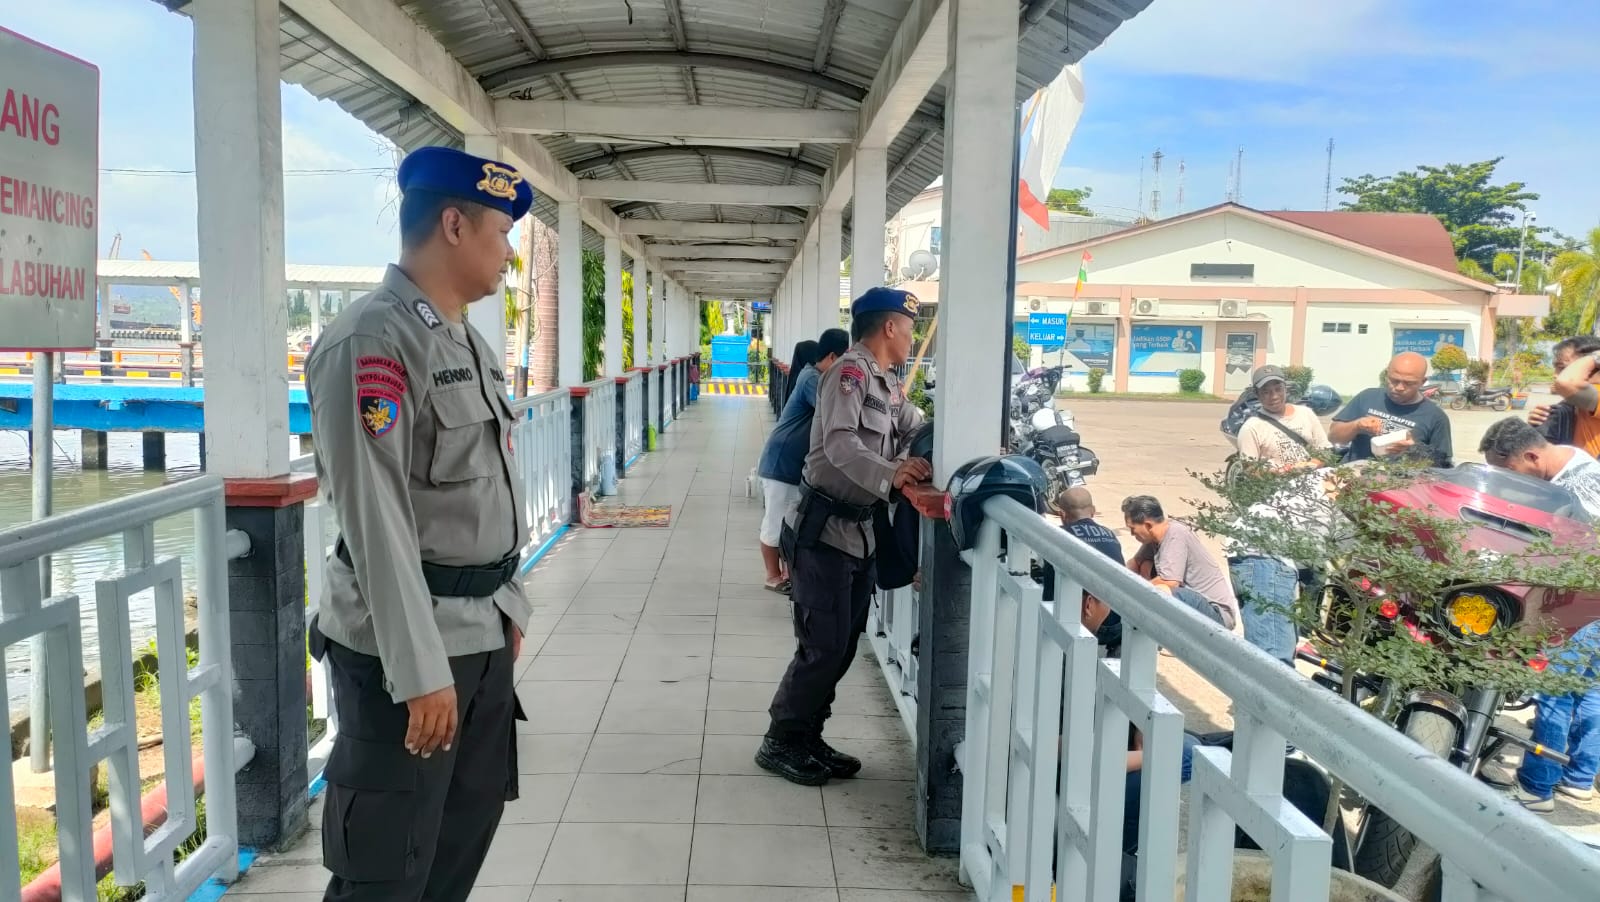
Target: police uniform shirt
(413, 432)
(862, 411)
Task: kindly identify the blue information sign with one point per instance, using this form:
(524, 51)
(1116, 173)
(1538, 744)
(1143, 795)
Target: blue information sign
(1049, 329)
(760, 307)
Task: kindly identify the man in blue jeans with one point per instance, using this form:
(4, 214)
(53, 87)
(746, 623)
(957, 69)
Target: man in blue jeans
(1569, 722)
(1267, 586)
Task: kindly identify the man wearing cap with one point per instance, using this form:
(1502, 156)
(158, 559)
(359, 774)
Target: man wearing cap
(1286, 436)
(423, 614)
(854, 465)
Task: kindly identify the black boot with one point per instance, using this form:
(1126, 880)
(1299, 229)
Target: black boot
(839, 764)
(792, 760)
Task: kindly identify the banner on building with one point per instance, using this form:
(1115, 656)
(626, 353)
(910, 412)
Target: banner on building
(1427, 342)
(1091, 347)
(49, 196)
(1164, 350)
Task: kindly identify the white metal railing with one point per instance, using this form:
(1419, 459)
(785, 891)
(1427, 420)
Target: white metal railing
(891, 630)
(656, 400)
(633, 418)
(321, 530)
(24, 613)
(542, 442)
(599, 429)
(1024, 653)
(668, 411)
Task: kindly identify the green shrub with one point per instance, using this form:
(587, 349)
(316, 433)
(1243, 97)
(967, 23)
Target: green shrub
(1299, 378)
(1450, 358)
(1097, 379)
(1189, 381)
(1478, 369)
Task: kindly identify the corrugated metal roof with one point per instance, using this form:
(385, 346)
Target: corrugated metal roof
(295, 275)
(1419, 237)
(791, 32)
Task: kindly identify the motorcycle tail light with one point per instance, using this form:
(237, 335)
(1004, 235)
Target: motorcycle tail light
(1538, 663)
(1389, 610)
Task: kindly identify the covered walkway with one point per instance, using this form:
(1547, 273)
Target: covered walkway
(646, 676)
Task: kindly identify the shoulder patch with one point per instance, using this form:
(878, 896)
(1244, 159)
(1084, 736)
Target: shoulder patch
(850, 377)
(425, 312)
(379, 410)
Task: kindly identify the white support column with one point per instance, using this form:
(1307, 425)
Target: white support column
(805, 307)
(868, 215)
(613, 307)
(830, 240)
(314, 302)
(569, 284)
(239, 183)
(980, 135)
(658, 313)
(641, 311)
(488, 314)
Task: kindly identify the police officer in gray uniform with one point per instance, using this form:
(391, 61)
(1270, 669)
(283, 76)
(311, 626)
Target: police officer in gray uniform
(854, 465)
(423, 615)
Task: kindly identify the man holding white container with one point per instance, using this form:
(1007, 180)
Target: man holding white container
(1396, 419)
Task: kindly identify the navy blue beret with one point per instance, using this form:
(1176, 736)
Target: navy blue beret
(892, 299)
(456, 173)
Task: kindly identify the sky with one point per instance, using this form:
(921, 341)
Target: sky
(1395, 83)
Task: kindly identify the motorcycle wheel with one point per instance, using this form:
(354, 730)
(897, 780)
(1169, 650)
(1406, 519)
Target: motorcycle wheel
(1501, 403)
(1385, 846)
(1054, 488)
(1458, 403)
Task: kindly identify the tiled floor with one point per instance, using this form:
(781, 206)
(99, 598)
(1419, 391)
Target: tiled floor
(647, 672)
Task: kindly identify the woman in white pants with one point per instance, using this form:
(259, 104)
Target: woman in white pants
(785, 453)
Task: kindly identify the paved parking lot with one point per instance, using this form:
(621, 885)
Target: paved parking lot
(1155, 447)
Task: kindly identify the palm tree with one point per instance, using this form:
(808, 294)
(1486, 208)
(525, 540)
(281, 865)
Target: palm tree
(1578, 274)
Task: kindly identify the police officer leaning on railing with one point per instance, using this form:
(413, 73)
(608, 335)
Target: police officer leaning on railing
(856, 462)
(423, 615)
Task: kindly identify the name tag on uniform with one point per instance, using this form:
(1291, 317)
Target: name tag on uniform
(875, 404)
(442, 378)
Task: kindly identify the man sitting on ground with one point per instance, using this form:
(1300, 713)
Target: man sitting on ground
(1398, 408)
(1173, 558)
(1077, 518)
(1566, 723)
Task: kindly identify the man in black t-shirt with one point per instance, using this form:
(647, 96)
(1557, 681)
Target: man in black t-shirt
(1077, 518)
(1398, 408)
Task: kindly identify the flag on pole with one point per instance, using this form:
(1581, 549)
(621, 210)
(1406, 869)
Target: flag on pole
(1083, 274)
(1051, 118)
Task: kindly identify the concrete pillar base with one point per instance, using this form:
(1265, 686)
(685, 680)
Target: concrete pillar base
(622, 427)
(944, 619)
(580, 485)
(155, 450)
(266, 596)
(96, 455)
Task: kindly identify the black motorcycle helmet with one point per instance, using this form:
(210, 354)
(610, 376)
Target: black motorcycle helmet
(920, 442)
(1322, 400)
(1013, 476)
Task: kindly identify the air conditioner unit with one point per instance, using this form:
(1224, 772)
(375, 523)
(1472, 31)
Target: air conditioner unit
(1035, 303)
(1146, 307)
(1097, 308)
(1233, 308)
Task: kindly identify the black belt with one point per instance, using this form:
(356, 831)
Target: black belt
(855, 513)
(479, 581)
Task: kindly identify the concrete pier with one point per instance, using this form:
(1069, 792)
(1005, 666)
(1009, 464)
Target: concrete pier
(96, 454)
(155, 450)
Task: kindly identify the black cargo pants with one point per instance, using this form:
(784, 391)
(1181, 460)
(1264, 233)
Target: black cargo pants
(402, 828)
(832, 594)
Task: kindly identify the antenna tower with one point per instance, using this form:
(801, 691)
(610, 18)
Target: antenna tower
(1180, 187)
(1155, 193)
(1327, 181)
(1238, 178)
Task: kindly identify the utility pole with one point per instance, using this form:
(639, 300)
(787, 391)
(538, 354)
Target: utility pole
(1238, 178)
(1141, 188)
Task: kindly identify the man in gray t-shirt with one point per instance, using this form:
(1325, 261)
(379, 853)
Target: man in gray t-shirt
(1173, 557)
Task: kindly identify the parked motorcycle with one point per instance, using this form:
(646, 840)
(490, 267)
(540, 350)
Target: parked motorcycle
(1458, 723)
(1048, 435)
(1474, 394)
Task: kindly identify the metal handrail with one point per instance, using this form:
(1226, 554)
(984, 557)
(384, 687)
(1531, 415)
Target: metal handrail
(542, 443)
(1024, 651)
(26, 613)
(633, 416)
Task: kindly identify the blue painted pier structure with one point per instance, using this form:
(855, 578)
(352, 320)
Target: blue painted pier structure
(129, 408)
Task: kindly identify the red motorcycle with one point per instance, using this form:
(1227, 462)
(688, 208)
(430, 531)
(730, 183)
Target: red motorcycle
(1506, 513)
